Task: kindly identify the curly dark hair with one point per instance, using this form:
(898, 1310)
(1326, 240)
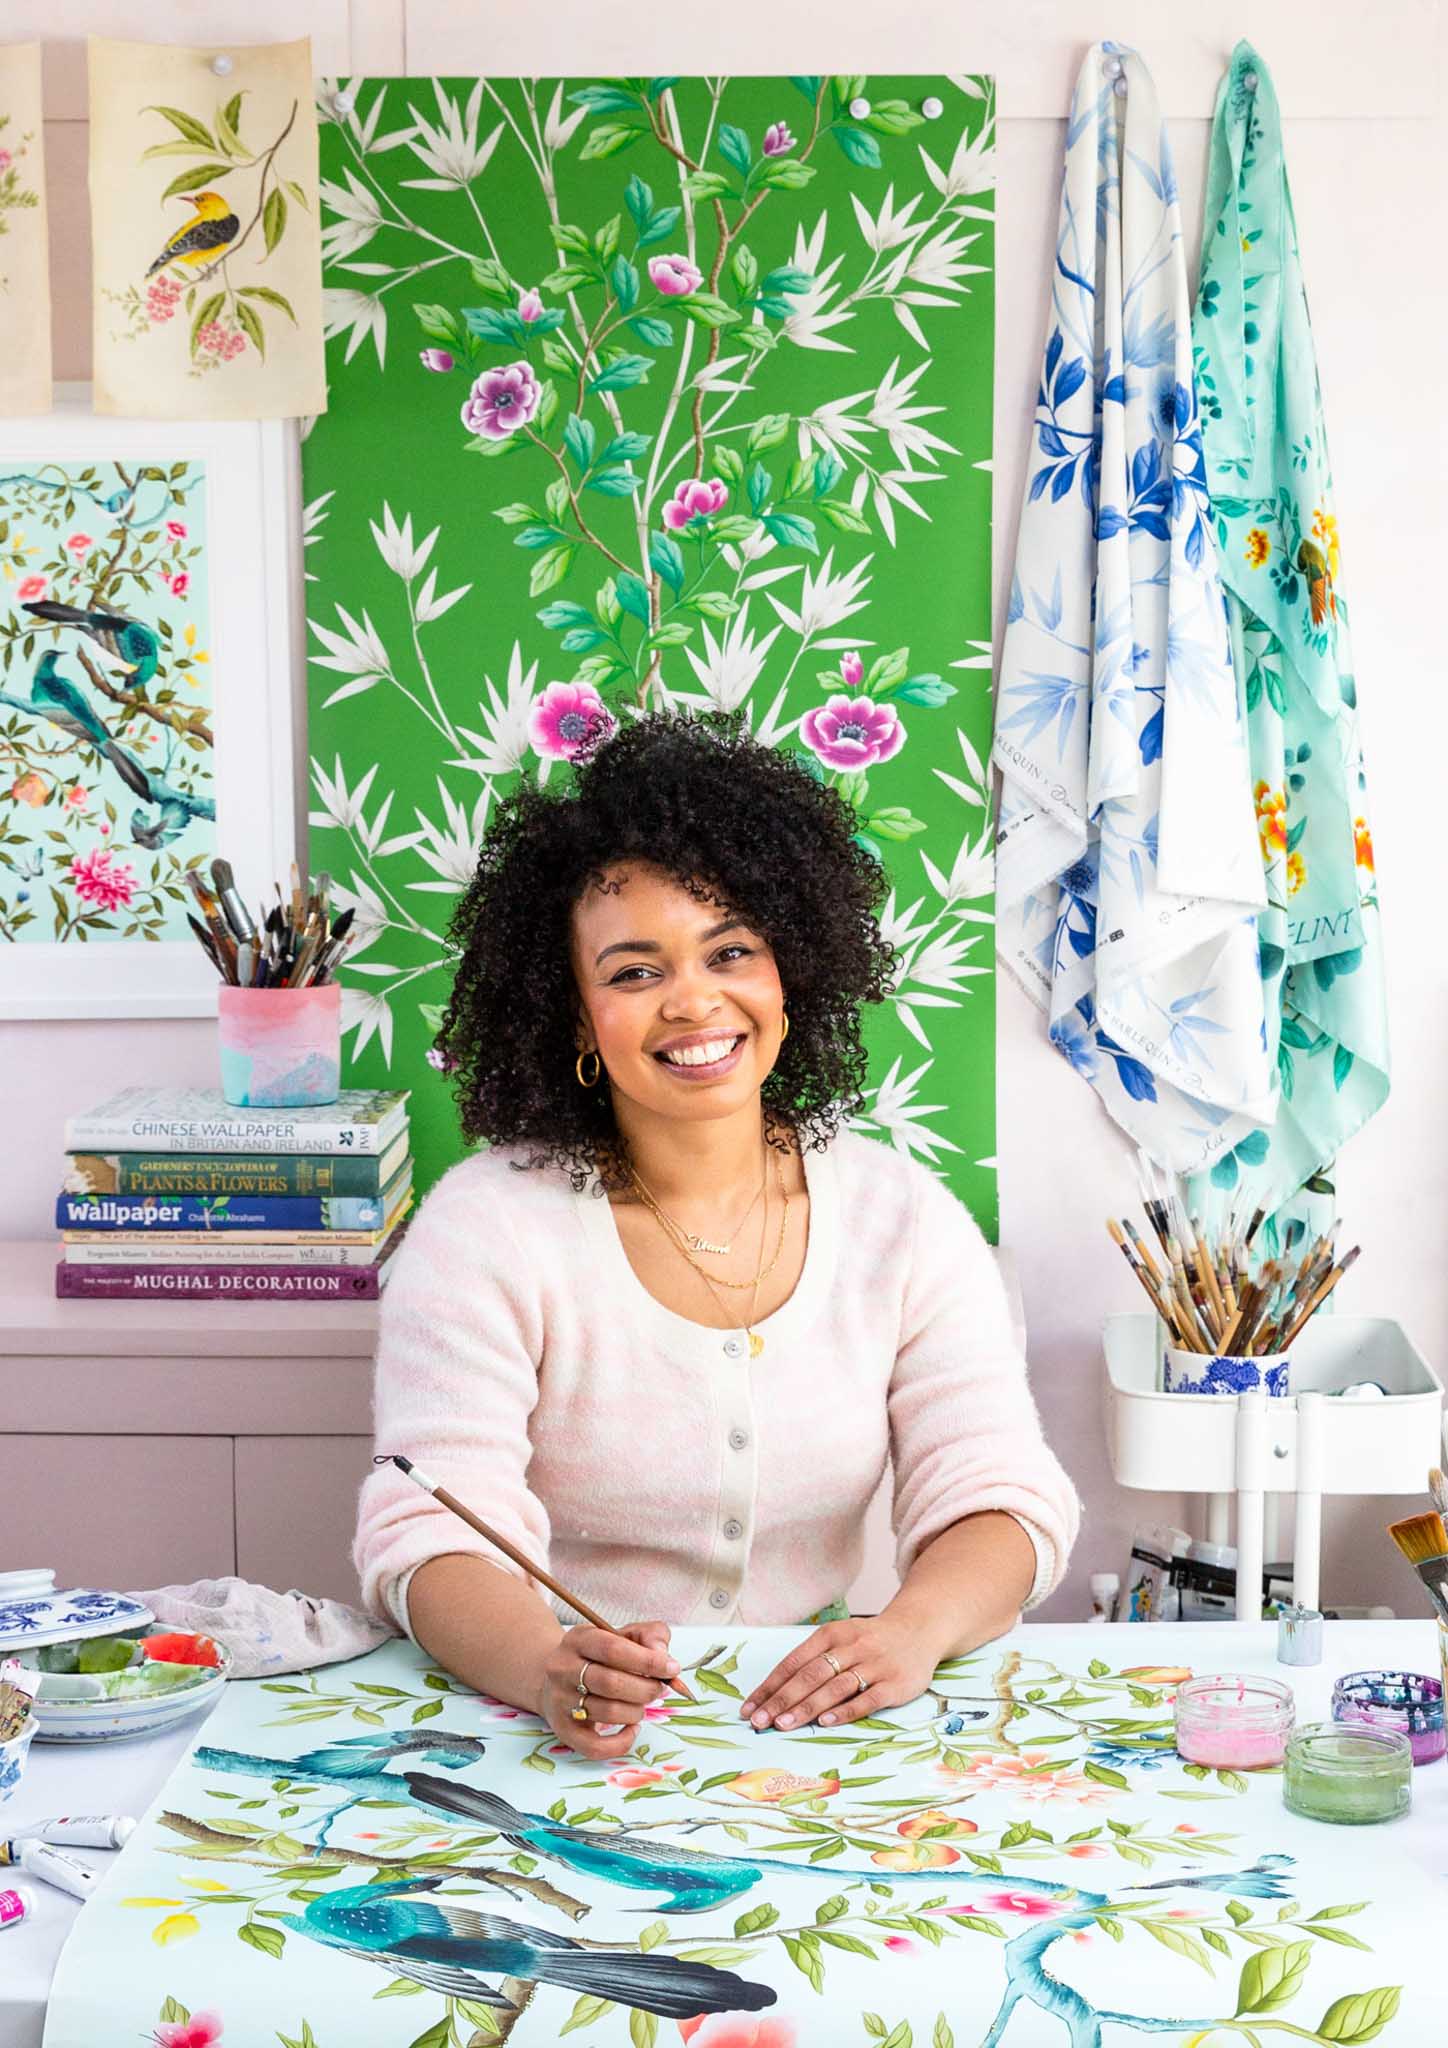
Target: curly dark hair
(747, 826)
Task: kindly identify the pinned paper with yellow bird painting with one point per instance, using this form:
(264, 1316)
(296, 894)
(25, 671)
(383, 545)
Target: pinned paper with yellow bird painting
(207, 250)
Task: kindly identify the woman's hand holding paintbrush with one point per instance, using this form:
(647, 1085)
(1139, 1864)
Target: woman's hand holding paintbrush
(597, 1678)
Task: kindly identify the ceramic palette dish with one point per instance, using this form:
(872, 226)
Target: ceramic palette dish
(110, 1707)
(32, 1615)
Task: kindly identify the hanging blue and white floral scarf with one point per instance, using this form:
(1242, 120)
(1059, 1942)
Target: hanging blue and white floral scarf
(1129, 873)
(1267, 466)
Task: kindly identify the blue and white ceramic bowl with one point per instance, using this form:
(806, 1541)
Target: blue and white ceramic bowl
(108, 1706)
(1192, 1372)
(12, 1757)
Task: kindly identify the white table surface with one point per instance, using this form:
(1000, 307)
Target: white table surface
(126, 1777)
(100, 1777)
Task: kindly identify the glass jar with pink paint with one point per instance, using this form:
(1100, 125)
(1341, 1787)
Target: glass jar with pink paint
(1232, 1723)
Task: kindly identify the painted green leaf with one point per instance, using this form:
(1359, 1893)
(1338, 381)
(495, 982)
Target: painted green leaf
(1361, 2017)
(274, 218)
(250, 325)
(585, 2012)
(186, 125)
(270, 1940)
(195, 179)
(1271, 1976)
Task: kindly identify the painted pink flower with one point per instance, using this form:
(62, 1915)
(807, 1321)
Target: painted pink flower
(30, 587)
(176, 529)
(900, 1944)
(675, 276)
(80, 543)
(852, 669)
(1086, 1849)
(737, 2030)
(1184, 1827)
(695, 498)
(530, 305)
(853, 733)
(180, 583)
(661, 1711)
(198, 2032)
(1027, 1904)
(501, 401)
(567, 718)
(442, 1064)
(77, 797)
(436, 359)
(6, 160)
(99, 881)
(633, 1775)
(777, 139)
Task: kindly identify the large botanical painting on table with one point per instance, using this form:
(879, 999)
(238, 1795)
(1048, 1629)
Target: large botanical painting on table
(651, 392)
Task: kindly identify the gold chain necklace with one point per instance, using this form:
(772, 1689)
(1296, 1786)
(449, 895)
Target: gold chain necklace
(678, 1236)
(691, 1238)
(756, 1342)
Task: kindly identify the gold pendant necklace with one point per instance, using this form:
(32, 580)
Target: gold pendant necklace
(676, 1236)
(691, 1238)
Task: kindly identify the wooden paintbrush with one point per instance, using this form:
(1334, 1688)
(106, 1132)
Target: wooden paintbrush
(534, 1571)
(1423, 1540)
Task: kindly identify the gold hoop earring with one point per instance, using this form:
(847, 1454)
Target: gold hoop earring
(592, 1081)
(784, 1028)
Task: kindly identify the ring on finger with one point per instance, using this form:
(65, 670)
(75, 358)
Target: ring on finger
(860, 1679)
(580, 1712)
(582, 1680)
(832, 1661)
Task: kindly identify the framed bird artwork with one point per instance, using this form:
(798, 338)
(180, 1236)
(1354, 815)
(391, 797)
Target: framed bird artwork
(145, 618)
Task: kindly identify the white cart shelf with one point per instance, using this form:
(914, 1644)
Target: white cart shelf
(1308, 1444)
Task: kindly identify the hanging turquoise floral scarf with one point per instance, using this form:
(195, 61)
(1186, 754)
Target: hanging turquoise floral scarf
(1271, 485)
(1129, 874)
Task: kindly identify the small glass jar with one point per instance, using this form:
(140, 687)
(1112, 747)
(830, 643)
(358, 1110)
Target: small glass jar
(1407, 1702)
(1235, 1724)
(1353, 1776)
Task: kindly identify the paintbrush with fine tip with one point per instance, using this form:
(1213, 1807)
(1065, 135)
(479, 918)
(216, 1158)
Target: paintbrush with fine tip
(524, 1563)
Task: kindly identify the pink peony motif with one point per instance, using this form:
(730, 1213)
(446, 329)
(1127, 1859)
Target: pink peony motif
(633, 1775)
(737, 2030)
(200, 2031)
(852, 669)
(436, 359)
(176, 529)
(695, 498)
(777, 139)
(100, 882)
(76, 797)
(30, 587)
(675, 276)
(6, 160)
(530, 305)
(502, 400)
(1027, 1904)
(80, 543)
(180, 583)
(567, 718)
(853, 733)
(29, 788)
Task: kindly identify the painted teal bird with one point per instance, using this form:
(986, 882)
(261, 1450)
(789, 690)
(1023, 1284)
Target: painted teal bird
(443, 1942)
(64, 703)
(125, 638)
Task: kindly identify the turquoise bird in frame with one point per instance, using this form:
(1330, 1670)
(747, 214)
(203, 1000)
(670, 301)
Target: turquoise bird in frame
(127, 640)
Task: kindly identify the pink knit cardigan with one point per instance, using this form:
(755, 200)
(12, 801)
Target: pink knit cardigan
(648, 1461)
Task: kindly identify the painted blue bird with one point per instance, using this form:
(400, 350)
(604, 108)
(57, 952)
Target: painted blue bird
(64, 703)
(127, 639)
(442, 1942)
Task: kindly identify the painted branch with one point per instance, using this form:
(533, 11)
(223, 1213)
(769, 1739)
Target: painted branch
(169, 718)
(233, 248)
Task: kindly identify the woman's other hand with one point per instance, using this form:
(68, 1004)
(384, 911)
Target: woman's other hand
(627, 1671)
(820, 1681)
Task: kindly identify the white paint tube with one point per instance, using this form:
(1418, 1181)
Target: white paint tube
(81, 1830)
(52, 1866)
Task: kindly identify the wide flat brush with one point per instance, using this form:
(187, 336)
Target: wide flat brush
(1423, 1540)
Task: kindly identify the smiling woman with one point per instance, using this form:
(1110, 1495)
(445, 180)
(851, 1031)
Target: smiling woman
(667, 1330)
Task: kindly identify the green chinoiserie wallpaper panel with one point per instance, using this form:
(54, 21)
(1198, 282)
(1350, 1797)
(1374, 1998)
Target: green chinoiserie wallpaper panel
(644, 392)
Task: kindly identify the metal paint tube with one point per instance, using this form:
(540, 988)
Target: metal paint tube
(81, 1830)
(52, 1866)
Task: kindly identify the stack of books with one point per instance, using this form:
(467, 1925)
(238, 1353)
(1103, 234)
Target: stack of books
(175, 1192)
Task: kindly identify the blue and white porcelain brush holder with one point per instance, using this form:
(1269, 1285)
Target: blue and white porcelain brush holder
(1194, 1372)
(13, 1754)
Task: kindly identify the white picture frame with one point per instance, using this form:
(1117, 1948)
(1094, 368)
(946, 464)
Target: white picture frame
(252, 523)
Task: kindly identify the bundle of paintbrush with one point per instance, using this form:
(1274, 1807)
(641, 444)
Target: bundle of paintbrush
(298, 944)
(1423, 1540)
(1206, 1283)
(18, 1688)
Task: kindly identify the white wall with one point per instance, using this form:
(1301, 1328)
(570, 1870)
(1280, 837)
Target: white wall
(1366, 135)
